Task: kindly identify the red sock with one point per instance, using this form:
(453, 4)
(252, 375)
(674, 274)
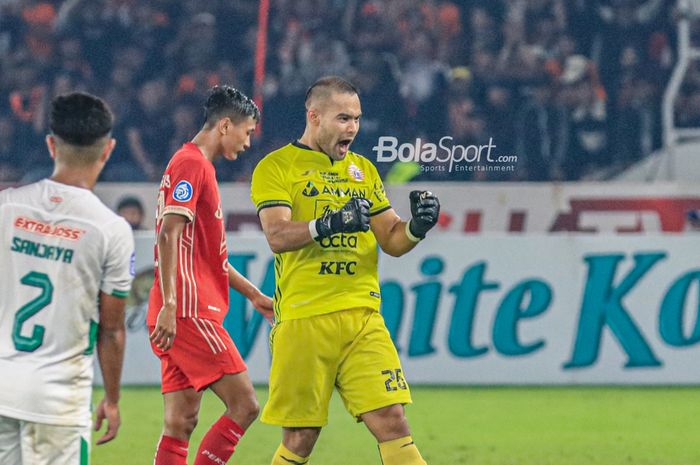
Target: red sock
(171, 451)
(218, 444)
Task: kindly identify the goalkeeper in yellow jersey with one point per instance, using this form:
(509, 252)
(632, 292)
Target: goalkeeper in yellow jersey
(324, 210)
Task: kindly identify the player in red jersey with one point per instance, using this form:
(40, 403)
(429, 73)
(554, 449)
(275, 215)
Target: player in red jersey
(189, 298)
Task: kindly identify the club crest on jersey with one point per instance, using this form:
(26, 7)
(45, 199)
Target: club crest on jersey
(182, 191)
(355, 173)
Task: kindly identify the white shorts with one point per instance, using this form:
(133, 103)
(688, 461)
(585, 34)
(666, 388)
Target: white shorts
(29, 443)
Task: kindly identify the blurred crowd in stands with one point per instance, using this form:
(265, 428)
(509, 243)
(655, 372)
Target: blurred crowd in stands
(572, 87)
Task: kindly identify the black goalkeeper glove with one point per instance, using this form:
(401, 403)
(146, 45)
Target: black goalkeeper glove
(425, 210)
(352, 217)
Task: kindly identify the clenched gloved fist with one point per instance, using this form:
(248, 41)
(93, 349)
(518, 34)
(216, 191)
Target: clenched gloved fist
(352, 217)
(425, 210)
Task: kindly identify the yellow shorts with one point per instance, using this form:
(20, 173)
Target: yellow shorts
(349, 349)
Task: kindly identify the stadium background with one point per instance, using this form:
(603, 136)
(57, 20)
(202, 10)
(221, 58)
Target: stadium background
(549, 272)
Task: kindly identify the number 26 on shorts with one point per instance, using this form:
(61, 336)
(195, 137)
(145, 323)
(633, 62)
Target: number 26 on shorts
(395, 380)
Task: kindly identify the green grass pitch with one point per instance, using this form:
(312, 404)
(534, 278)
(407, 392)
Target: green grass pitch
(470, 425)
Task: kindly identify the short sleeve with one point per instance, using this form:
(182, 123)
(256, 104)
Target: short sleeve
(268, 187)
(118, 267)
(380, 202)
(183, 184)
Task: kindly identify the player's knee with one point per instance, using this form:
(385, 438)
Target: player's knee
(301, 441)
(252, 408)
(245, 410)
(391, 414)
(387, 423)
(190, 424)
(181, 426)
(395, 418)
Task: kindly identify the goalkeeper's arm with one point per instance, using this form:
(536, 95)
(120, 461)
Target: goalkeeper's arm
(284, 235)
(396, 237)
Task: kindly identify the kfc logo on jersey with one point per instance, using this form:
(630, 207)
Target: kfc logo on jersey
(182, 191)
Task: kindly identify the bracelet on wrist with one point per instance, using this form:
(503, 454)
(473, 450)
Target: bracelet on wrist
(313, 230)
(411, 237)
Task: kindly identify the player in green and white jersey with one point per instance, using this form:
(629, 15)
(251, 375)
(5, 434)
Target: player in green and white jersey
(67, 266)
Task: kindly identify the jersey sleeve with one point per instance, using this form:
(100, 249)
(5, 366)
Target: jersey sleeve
(118, 268)
(380, 202)
(268, 187)
(183, 186)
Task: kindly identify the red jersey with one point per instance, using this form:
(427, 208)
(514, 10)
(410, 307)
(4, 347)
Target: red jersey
(189, 188)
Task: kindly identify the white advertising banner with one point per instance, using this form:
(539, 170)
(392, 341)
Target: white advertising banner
(474, 208)
(499, 309)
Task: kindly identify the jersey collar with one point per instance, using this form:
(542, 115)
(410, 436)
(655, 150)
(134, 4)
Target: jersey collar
(298, 144)
(66, 186)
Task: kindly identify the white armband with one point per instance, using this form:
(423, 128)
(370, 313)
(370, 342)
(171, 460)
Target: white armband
(410, 235)
(313, 230)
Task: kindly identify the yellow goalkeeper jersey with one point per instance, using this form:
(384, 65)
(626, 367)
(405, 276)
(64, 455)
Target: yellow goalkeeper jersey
(330, 274)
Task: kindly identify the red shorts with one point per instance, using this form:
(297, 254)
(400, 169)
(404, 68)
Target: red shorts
(202, 353)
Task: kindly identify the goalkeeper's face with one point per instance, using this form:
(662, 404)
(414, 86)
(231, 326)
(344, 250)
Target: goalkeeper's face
(338, 124)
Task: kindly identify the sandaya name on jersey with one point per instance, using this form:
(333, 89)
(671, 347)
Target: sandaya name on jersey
(40, 250)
